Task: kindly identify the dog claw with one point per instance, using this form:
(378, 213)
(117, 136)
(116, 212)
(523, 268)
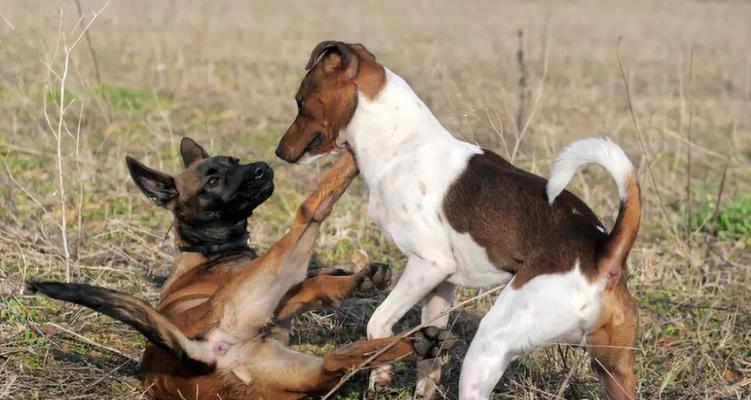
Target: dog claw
(428, 342)
(374, 277)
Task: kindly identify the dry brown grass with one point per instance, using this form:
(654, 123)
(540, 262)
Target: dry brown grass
(225, 73)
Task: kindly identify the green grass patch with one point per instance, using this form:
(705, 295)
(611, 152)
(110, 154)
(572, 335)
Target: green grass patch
(131, 99)
(733, 218)
(18, 317)
(56, 95)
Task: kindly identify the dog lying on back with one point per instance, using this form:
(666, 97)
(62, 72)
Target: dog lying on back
(218, 330)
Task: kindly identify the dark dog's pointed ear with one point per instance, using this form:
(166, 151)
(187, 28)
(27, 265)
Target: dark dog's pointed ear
(336, 56)
(191, 151)
(157, 186)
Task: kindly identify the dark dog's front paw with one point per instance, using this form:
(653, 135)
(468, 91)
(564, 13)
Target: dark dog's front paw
(373, 278)
(428, 342)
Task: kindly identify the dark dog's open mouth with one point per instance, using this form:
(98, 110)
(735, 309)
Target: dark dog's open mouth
(255, 194)
(262, 191)
(267, 190)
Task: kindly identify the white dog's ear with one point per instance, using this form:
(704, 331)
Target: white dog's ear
(336, 57)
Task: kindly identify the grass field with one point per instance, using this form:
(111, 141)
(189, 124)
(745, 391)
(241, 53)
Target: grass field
(522, 78)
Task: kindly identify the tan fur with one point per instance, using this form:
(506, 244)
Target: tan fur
(612, 264)
(611, 344)
(317, 291)
(241, 298)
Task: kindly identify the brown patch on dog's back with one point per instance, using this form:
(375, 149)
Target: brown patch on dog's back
(504, 209)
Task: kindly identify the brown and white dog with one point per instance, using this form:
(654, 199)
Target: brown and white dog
(465, 216)
(216, 333)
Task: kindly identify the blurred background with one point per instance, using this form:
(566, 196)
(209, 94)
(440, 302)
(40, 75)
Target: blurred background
(84, 83)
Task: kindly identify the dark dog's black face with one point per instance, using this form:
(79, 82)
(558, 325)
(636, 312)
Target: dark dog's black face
(221, 189)
(211, 192)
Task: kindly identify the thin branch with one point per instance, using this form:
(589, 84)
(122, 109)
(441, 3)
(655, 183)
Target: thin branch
(498, 130)
(569, 375)
(403, 335)
(540, 90)
(8, 386)
(523, 76)
(58, 131)
(22, 188)
(11, 26)
(640, 136)
(610, 374)
(688, 148)
(79, 231)
(716, 212)
(87, 27)
(95, 60)
(696, 147)
(93, 343)
(59, 156)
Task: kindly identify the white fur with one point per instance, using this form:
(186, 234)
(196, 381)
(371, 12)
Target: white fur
(559, 308)
(588, 151)
(409, 161)
(308, 158)
(474, 268)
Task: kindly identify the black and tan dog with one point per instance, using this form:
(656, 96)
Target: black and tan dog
(214, 334)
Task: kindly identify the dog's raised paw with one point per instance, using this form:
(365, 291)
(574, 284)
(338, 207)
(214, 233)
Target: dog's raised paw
(373, 278)
(428, 342)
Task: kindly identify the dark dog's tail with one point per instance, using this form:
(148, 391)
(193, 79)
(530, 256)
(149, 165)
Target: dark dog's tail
(134, 312)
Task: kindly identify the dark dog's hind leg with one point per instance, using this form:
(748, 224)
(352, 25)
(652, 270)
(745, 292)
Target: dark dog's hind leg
(330, 286)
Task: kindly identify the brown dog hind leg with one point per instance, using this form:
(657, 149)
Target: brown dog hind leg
(426, 343)
(330, 287)
(611, 345)
(292, 372)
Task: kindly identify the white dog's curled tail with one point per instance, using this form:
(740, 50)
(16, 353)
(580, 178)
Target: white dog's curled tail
(612, 259)
(590, 151)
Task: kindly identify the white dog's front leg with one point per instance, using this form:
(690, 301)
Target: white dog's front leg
(419, 278)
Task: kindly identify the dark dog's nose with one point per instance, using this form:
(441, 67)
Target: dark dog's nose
(261, 170)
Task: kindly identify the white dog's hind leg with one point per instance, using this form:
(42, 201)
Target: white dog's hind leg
(548, 308)
(420, 276)
(429, 371)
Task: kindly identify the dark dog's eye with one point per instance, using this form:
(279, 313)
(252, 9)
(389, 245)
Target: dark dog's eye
(212, 181)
